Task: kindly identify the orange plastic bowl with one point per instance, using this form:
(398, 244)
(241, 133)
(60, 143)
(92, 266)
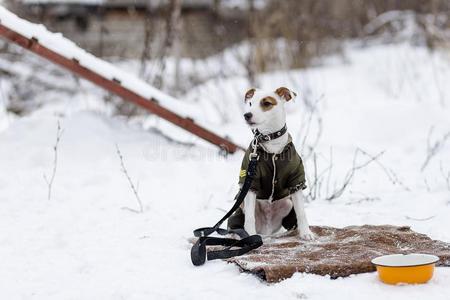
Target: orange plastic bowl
(405, 268)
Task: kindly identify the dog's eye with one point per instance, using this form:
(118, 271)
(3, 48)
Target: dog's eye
(267, 104)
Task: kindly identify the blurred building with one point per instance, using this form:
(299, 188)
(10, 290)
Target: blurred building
(310, 28)
(120, 27)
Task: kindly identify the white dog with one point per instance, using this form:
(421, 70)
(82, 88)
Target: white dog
(275, 198)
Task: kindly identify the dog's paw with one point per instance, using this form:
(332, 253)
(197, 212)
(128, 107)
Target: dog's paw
(307, 235)
(251, 230)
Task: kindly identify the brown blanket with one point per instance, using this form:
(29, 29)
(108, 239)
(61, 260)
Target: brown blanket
(336, 252)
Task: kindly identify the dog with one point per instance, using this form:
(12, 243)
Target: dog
(275, 198)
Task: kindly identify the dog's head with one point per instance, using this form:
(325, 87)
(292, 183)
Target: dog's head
(264, 110)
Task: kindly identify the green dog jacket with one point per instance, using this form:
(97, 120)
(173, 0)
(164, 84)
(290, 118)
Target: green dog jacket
(277, 175)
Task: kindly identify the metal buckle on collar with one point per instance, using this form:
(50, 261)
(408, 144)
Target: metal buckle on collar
(261, 137)
(254, 153)
(257, 135)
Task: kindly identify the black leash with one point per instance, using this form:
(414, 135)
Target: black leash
(234, 247)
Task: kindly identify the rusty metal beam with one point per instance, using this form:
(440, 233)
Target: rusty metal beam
(115, 87)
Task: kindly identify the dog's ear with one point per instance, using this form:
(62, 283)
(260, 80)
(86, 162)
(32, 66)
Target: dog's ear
(249, 94)
(285, 93)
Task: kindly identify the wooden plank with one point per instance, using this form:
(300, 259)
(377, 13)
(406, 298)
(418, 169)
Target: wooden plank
(115, 87)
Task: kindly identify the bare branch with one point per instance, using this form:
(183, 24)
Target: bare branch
(425, 181)
(313, 111)
(351, 173)
(170, 40)
(133, 188)
(391, 175)
(363, 199)
(148, 33)
(446, 175)
(434, 148)
(329, 172)
(419, 219)
(49, 181)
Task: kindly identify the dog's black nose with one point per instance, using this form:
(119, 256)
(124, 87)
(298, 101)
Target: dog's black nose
(248, 116)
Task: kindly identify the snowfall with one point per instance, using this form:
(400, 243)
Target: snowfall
(88, 242)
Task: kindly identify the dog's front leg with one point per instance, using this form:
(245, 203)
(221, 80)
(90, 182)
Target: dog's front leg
(249, 211)
(302, 223)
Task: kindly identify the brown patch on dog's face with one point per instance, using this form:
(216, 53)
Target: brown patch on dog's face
(249, 94)
(267, 103)
(285, 93)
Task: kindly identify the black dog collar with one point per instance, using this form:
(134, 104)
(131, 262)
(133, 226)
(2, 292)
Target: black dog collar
(271, 136)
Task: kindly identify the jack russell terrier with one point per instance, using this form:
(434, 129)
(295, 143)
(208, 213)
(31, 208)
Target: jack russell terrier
(275, 198)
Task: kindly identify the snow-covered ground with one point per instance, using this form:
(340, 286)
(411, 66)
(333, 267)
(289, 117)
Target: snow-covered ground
(83, 244)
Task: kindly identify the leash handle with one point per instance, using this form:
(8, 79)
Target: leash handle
(234, 247)
(239, 198)
(199, 253)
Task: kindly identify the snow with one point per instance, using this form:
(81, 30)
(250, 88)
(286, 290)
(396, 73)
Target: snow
(82, 244)
(244, 5)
